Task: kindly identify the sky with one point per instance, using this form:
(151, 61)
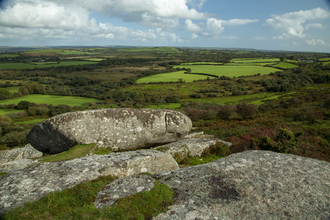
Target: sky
(294, 25)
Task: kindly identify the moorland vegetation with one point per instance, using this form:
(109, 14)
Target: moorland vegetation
(267, 100)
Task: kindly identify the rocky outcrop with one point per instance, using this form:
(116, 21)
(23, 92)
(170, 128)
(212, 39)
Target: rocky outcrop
(26, 152)
(32, 183)
(189, 147)
(118, 129)
(251, 185)
(123, 187)
(18, 158)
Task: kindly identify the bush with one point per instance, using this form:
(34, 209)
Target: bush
(15, 138)
(60, 109)
(245, 110)
(225, 112)
(196, 96)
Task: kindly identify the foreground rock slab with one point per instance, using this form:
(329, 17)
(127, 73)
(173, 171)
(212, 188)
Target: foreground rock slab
(123, 187)
(117, 129)
(251, 185)
(32, 183)
(189, 147)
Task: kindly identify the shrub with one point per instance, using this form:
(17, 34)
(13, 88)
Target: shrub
(225, 112)
(15, 138)
(245, 110)
(196, 96)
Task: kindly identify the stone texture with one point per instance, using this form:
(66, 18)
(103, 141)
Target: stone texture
(32, 183)
(251, 185)
(120, 188)
(13, 166)
(118, 129)
(190, 146)
(26, 152)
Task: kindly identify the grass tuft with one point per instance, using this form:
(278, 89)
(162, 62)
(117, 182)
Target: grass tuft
(78, 203)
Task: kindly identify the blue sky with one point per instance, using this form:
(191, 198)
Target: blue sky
(298, 25)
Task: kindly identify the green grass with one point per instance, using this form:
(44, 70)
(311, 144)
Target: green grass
(32, 66)
(1, 174)
(174, 77)
(50, 99)
(41, 51)
(95, 59)
(8, 55)
(325, 59)
(201, 63)
(74, 152)
(258, 60)
(12, 89)
(31, 121)
(231, 71)
(285, 65)
(42, 63)
(235, 99)
(8, 111)
(75, 52)
(165, 106)
(158, 49)
(78, 203)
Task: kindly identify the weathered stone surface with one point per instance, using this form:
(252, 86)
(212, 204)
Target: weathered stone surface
(191, 146)
(251, 185)
(199, 135)
(26, 152)
(118, 129)
(120, 188)
(32, 183)
(13, 166)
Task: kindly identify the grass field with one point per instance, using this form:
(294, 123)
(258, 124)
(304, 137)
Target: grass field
(165, 106)
(12, 89)
(31, 121)
(8, 55)
(259, 60)
(8, 111)
(172, 77)
(32, 66)
(158, 49)
(325, 59)
(231, 71)
(50, 99)
(285, 65)
(41, 51)
(201, 63)
(95, 59)
(254, 98)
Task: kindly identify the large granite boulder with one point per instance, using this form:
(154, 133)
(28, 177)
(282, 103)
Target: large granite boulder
(251, 185)
(117, 129)
(34, 182)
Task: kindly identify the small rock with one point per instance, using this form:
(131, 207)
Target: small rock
(27, 152)
(120, 188)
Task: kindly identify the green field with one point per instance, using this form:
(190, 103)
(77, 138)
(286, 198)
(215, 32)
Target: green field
(201, 63)
(325, 59)
(75, 52)
(253, 98)
(42, 51)
(32, 66)
(8, 111)
(95, 59)
(12, 89)
(50, 99)
(172, 77)
(231, 71)
(42, 63)
(259, 60)
(8, 55)
(285, 65)
(31, 121)
(158, 49)
(172, 106)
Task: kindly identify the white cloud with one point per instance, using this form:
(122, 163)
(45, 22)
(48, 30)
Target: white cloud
(155, 21)
(190, 26)
(292, 23)
(194, 36)
(314, 42)
(213, 27)
(239, 21)
(314, 25)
